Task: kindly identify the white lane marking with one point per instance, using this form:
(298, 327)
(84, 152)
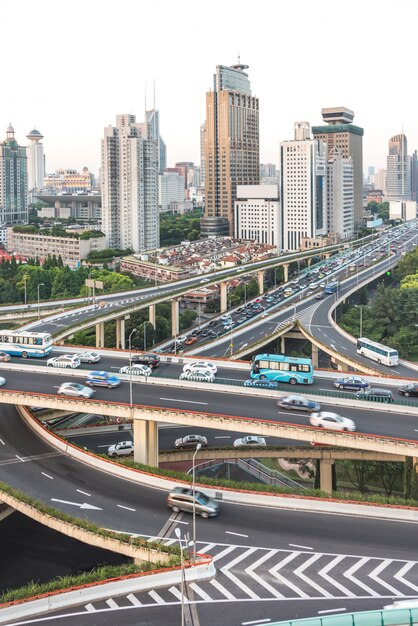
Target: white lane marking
(154, 595)
(133, 599)
(105, 445)
(111, 604)
(257, 621)
(375, 574)
(20, 458)
(186, 401)
(223, 437)
(332, 346)
(177, 594)
(83, 505)
(84, 493)
(2, 442)
(295, 545)
(400, 575)
(222, 589)
(292, 413)
(349, 574)
(178, 521)
(90, 608)
(229, 532)
(206, 548)
(331, 610)
(47, 475)
(396, 371)
(200, 592)
(127, 508)
(344, 348)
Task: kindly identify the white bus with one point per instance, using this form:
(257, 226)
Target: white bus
(377, 351)
(25, 344)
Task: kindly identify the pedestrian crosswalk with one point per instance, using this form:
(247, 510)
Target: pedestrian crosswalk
(246, 573)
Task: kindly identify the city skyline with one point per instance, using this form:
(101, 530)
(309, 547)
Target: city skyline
(298, 65)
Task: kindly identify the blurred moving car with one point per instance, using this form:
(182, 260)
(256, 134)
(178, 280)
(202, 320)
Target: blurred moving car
(2, 381)
(4, 357)
(102, 379)
(183, 499)
(333, 421)
(411, 389)
(123, 448)
(88, 357)
(75, 390)
(190, 441)
(351, 382)
(150, 359)
(298, 402)
(249, 440)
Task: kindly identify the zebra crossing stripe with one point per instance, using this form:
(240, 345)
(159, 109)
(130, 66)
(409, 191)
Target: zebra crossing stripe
(112, 604)
(234, 579)
(90, 608)
(274, 571)
(324, 573)
(222, 589)
(400, 575)
(200, 592)
(133, 600)
(257, 578)
(299, 572)
(154, 595)
(375, 575)
(349, 574)
(177, 593)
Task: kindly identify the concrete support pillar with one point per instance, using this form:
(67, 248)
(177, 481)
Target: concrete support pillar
(260, 278)
(174, 318)
(309, 261)
(120, 333)
(224, 297)
(283, 344)
(152, 315)
(146, 442)
(315, 351)
(327, 255)
(326, 475)
(100, 335)
(286, 272)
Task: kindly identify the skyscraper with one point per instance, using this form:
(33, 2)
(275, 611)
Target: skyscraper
(232, 146)
(342, 134)
(129, 185)
(399, 164)
(302, 187)
(36, 161)
(13, 180)
(152, 118)
(203, 153)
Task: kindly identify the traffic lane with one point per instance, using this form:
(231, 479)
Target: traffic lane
(368, 420)
(61, 482)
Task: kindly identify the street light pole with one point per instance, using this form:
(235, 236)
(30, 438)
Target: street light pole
(199, 445)
(178, 535)
(133, 331)
(25, 279)
(145, 336)
(360, 306)
(39, 311)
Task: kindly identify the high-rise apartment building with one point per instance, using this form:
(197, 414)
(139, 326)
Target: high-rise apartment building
(129, 185)
(340, 133)
(399, 163)
(257, 214)
(13, 180)
(340, 195)
(302, 188)
(171, 189)
(36, 161)
(232, 146)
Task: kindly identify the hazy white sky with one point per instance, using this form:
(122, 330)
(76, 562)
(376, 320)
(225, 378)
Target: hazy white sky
(69, 67)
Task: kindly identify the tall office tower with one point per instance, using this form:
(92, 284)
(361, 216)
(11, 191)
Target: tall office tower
(232, 146)
(36, 160)
(129, 185)
(398, 181)
(268, 170)
(152, 118)
(302, 188)
(340, 195)
(348, 138)
(13, 180)
(414, 176)
(203, 154)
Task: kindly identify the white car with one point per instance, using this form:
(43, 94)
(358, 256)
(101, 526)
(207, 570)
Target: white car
(313, 285)
(2, 381)
(198, 375)
(64, 360)
(75, 390)
(181, 339)
(136, 370)
(333, 421)
(250, 440)
(123, 448)
(88, 357)
(205, 364)
(226, 317)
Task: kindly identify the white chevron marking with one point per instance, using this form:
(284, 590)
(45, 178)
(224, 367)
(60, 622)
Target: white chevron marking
(111, 603)
(378, 570)
(349, 574)
(133, 599)
(234, 579)
(257, 578)
(224, 553)
(400, 575)
(299, 572)
(154, 595)
(89, 608)
(274, 572)
(324, 573)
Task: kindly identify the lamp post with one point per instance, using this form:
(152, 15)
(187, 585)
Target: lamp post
(39, 311)
(178, 535)
(199, 445)
(145, 336)
(133, 331)
(25, 279)
(360, 306)
(245, 292)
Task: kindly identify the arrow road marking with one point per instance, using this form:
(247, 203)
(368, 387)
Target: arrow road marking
(375, 575)
(83, 505)
(400, 575)
(299, 572)
(274, 572)
(349, 574)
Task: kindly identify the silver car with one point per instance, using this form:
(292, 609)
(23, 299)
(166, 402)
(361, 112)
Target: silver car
(181, 499)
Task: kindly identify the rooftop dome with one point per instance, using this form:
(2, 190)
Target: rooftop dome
(35, 134)
(10, 129)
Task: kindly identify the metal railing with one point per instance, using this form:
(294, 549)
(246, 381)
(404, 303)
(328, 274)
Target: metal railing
(390, 617)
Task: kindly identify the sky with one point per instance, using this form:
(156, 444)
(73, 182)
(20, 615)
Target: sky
(68, 68)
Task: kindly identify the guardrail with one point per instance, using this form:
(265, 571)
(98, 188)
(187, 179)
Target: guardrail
(390, 617)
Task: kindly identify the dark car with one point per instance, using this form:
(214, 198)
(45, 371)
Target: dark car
(374, 393)
(261, 383)
(409, 390)
(213, 323)
(150, 359)
(351, 382)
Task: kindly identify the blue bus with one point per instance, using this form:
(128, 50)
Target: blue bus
(332, 287)
(25, 343)
(283, 369)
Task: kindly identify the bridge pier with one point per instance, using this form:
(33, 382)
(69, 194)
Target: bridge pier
(326, 475)
(260, 278)
(315, 351)
(341, 367)
(283, 344)
(120, 333)
(224, 297)
(175, 317)
(152, 315)
(146, 442)
(100, 335)
(286, 272)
